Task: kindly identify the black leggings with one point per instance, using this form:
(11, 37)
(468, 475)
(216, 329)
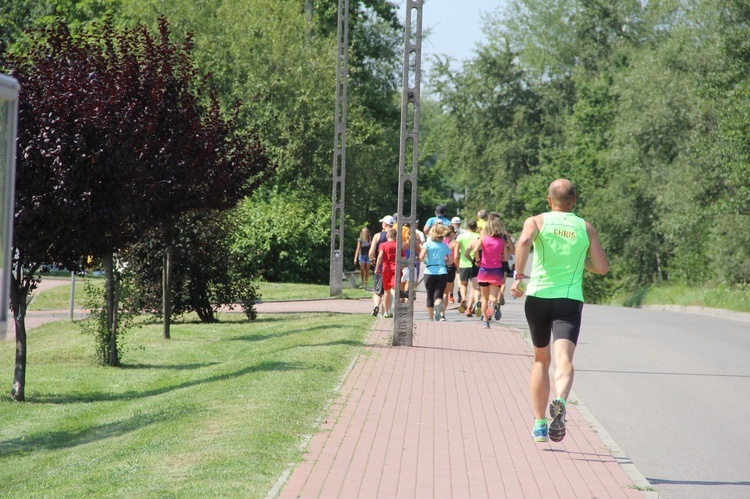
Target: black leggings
(560, 316)
(435, 287)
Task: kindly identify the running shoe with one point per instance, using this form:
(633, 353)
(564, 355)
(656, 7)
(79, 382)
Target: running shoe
(498, 312)
(470, 312)
(557, 426)
(462, 307)
(485, 324)
(502, 300)
(375, 311)
(478, 310)
(388, 316)
(451, 299)
(437, 315)
(442, 318)
(539, 433)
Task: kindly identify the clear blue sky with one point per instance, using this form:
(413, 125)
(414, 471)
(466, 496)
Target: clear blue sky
(455, 25)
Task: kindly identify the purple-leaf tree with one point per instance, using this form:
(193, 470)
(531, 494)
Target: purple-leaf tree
(115, 139)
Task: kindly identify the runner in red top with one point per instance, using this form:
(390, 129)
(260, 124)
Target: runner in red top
(387, 256)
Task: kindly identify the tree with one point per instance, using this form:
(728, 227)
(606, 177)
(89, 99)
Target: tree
(281, 236)
(495, 119)
(276, 60)
(115, 138)
(206, 273)
(20, 17)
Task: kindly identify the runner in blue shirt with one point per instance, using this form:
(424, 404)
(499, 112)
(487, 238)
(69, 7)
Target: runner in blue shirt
(439, 215)
(436, 254)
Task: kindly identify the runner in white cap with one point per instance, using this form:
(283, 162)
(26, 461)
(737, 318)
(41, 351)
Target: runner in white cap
(456, 223)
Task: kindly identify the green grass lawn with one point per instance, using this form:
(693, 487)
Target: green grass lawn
(736, 298)
(58, 298)
(219, 410)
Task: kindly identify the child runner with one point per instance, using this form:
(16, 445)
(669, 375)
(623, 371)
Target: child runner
(387, 258)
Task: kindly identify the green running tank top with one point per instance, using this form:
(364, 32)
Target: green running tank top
(560, 252)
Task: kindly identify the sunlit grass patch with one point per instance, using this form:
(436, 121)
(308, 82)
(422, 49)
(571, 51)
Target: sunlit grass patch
(218, 410)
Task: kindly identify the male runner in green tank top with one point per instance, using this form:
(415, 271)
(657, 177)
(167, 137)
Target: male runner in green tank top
(564, 245)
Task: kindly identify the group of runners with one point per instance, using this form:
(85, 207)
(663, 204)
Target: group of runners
(379, 255)
(479, 255)
(564, 246)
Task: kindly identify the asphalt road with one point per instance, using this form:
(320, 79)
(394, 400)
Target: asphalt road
(672, 389)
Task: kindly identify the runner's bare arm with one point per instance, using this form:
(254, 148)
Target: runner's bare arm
(523, 247)
(596, 260)
(377, 264)
(511, 246)
(472, 249)
(528, 234)
(374, 248)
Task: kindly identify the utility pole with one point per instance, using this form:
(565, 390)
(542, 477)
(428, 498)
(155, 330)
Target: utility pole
(339, 153)
(403, 323)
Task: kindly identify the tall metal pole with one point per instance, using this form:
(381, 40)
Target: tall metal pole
(339, 153)
(403, 324)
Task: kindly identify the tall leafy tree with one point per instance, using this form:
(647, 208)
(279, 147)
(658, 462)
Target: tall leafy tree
(495, 120)
(278, 61)
(20, 17)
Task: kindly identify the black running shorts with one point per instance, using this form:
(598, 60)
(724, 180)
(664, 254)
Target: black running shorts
(451, 274)
(435, 287)
(556, 317)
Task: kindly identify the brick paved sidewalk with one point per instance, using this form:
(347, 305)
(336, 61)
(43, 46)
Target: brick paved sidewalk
(449, 417)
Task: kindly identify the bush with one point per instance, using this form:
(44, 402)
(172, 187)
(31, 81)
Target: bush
(286, 237)
(205, 273)
(95, 323)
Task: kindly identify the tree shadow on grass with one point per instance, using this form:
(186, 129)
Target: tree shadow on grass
(76, 398)
(289, 332)
(173, 367)
(266, 319)
(64, 439)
